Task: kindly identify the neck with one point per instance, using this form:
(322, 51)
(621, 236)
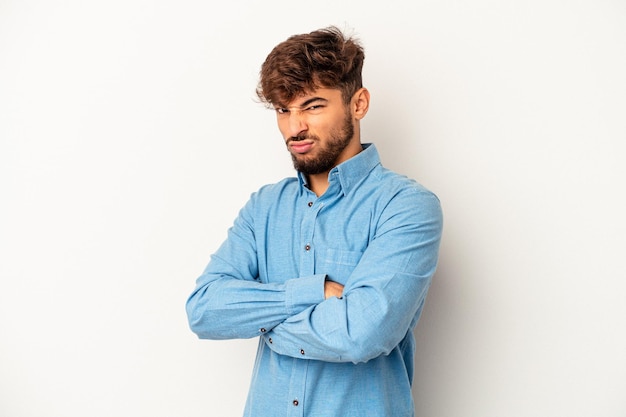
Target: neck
(318, 183)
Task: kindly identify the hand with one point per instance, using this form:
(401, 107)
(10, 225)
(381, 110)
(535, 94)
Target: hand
(332, 289)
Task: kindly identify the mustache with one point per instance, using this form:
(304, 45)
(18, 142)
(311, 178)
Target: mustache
(298, 138)
(301, 138)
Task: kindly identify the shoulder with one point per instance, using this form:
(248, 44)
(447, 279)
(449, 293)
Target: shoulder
(275, 190)
(393, 184)
(265, 199)
(399, 193)
(269, 194)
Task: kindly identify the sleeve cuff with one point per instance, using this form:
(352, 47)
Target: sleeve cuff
(303, 292)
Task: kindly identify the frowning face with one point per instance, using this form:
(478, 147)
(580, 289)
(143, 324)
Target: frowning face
(318, 129)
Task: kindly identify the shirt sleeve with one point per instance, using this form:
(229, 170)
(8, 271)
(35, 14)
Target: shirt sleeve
(383, 296)
(229, 301)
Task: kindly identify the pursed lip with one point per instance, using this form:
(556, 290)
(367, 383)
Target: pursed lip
(300, 146)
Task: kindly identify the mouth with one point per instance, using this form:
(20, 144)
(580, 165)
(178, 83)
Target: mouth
(300, 146)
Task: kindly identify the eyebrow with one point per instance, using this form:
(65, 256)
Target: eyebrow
(307, 102)
(312, 100)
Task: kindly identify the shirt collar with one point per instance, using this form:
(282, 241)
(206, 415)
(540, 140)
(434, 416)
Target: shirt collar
(350, 172)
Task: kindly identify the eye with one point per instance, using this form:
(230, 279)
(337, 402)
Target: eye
(281, 110)
(315, 108)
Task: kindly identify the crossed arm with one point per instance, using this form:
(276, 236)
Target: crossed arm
(316, 318)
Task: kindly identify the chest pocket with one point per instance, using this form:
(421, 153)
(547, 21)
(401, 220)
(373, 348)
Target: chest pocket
(338, 264)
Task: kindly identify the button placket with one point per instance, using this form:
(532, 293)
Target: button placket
(297, 387)
(307, 231)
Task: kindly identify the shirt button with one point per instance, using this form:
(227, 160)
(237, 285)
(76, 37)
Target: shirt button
(270, 340)
(295, 403)
(307, 248)
(262, 330)
(310, 203)
(302, 351)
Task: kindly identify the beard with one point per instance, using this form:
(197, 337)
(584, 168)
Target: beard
(327, 155)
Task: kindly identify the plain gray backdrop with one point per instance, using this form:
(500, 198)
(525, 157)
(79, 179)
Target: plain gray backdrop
(130, 137)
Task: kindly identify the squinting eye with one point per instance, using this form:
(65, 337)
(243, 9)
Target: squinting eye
(281, 110)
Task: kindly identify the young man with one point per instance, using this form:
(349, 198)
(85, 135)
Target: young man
(329, 269)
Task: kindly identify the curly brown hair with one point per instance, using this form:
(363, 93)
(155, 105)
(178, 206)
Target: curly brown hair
(325, 58)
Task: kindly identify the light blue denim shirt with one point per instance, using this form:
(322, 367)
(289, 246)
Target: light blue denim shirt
(374, 231)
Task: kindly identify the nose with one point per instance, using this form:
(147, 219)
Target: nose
(296, 123)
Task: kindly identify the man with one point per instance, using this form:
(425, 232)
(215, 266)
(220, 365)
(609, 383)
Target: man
(329, 269)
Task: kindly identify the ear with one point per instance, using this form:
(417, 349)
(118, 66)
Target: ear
(360, 103)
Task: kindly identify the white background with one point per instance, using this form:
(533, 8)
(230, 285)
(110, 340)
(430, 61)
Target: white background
(130, 138)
